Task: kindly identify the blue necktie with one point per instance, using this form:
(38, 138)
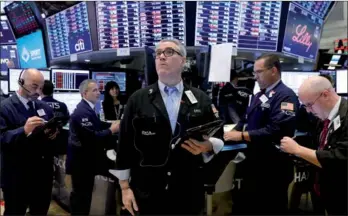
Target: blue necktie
(31, 109)
(171, 106)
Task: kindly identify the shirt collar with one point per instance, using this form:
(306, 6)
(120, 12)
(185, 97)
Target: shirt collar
(24, 101)
(90, 104)
(272, 86)
(333, 113)
(179, 87)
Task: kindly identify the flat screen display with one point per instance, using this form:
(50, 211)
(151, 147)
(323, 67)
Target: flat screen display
(302, 33)
(68, 80)
(4, 86)
(14, 76)
(320, 8)
(118, 24)
(294, 79)
(71, 99)
(250, 25)
(160, 20)
(31, 51)
(104, 77)
(69, 32)
(342, 81)
(21, 17)
(217, 22)
(9, 58)
(6, 34)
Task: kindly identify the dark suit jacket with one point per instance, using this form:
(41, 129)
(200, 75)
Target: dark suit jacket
(21, 155)
(334, 161)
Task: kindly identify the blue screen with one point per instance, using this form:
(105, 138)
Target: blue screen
(9, 58)
(103, 77)
(302, 33)
(31, 51)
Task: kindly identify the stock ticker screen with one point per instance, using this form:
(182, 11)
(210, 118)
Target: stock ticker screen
(6, 34)
(217, 22)
(302, 33)
(250, 25)
(68, 80)
(320, 8)
(118, 24)
(21, 17)
(69, 32)
(160, 20)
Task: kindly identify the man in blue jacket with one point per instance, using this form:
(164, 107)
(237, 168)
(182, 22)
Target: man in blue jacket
(27, 158)
(270, 116)
(88, 139)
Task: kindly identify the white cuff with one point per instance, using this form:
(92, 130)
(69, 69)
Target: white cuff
(218, 145)
(121, 174)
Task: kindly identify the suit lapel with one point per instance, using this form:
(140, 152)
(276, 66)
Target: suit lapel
(20, 106)
(157, 100)
(342, 112)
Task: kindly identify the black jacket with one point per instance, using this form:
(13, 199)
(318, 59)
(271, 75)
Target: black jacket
(147, 147)
(334, 161)
(110, 111)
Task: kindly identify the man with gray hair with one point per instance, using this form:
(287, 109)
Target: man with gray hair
(331, 157)
(159, 173)
(26, 155)
(88, 137)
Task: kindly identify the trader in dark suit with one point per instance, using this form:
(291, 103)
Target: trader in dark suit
(27, 159)
(331, 156)
(88, 138)
(270, 116)
(164, 170)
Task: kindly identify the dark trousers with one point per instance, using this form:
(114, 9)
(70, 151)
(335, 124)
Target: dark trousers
(82, 177)
(33, 192)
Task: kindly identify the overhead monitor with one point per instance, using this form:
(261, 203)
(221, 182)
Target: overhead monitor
(22, 17)
(294, 79)
(104, 77)
(9, 58)
(68, 80)
(259, 25)
(302, 33)
(71, 99)
(342, 81)
(6, 33)
(331, 74)
(31, 51)
(4, 86)
(118, 24)
(250, 25)
(14, 74)
(320, 8)
(217, 22)
(160, 20)
(69, 32)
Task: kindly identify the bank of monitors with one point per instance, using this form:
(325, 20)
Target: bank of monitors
(71, 99)
(104, 77)
(68, 80)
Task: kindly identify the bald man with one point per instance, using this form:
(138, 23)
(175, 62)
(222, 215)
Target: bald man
(27, 159)
(319, 98)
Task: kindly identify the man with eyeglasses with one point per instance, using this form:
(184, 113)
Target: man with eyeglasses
(270, 116)
(331, 156)
(159, 173)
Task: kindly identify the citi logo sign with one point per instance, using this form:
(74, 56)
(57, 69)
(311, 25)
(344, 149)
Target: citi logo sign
(80, 45)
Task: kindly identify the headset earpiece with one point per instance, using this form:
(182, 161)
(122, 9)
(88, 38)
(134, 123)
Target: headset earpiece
(20, 80)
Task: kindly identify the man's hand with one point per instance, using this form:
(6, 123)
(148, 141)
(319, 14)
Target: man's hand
(196, 147)
(128, 200)
(289, 145)
(115, 127)
(32, 123)
(233, 136)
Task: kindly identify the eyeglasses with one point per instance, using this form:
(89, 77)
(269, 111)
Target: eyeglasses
(261, 71)
(168, 52)
(310, 105)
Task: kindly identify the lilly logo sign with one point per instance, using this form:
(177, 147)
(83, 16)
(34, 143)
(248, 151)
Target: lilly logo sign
(30, 55)
(302, 36)
(80, 45)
